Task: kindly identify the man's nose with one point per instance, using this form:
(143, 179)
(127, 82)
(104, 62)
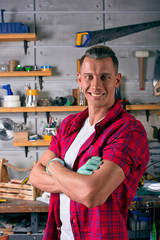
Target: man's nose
(96, 83)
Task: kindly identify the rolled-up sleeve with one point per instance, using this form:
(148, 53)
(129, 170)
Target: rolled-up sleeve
(128, 148)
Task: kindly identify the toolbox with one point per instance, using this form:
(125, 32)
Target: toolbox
(12, 27)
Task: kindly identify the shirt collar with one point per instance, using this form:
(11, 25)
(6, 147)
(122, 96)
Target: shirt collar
(110, 116)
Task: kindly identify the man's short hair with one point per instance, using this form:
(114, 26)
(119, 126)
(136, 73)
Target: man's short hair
(101, 52)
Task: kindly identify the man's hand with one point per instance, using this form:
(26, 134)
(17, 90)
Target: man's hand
(92, 164)
(55, 159)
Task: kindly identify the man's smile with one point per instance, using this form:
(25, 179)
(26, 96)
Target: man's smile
(96, 94)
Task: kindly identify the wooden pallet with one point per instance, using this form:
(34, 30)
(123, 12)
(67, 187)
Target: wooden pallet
(15, 189)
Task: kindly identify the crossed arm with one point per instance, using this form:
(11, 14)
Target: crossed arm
(89, 190)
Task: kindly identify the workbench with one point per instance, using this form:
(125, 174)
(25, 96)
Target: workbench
(37, 207)
(25, 206)
(147, 202)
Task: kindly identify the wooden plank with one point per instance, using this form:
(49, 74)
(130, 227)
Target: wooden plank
(31, 143)
(7, 37)
(143, 107)
(17, 196)
(20, 191)
(26, 74)
(72, 108)
(17, 109)
(15, 180)
(61, 108)
(16, 186)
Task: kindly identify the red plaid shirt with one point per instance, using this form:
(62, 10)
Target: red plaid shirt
(119, 138)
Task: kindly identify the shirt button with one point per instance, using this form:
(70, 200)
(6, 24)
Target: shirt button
(58, 228)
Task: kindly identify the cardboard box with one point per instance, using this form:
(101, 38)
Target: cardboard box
(20, 136)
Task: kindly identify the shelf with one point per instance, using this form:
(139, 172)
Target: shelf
(143, 107)
(35, 73)
(43, 109)
(31, 143)
(60, 108)
(73, 108)
(26, 144)
(17, 109)
(26, 74)
(11, 37)
(48, 109)
(14, 37)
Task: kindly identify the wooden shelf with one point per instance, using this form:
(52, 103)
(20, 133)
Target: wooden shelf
(31, 143)
(143, 107)
(26, 74)
(61, 109)
(73, 108)
(17, 109)
(11, 37)
(43, 109)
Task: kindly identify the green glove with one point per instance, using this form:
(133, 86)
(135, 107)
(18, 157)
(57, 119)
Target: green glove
(92, 164)
(55, 159)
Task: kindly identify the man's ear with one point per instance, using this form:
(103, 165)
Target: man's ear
(79, 78)
(118, 79)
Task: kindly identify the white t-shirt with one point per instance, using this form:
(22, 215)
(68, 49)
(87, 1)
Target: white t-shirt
(70, 156)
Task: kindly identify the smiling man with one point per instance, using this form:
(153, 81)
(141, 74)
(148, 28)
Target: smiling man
(93, 165)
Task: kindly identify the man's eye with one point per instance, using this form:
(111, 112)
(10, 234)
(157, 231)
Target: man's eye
(105, 77)
(89, 77)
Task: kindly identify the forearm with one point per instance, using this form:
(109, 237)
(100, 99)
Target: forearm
(38, 176)
(89, 190)
(40, 179)
(71, 183)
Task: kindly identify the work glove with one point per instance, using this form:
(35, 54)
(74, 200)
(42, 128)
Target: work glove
(92, 164)
(55, 159)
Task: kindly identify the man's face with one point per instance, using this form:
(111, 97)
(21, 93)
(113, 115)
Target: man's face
(98, 80)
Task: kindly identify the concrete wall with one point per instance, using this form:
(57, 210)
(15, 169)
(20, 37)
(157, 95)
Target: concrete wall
(56, 23)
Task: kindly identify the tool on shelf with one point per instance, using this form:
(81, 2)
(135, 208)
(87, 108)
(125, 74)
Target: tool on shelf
(31, 98)
(10, 100)
(6, 129)
(156, 74)
(12, 27)
(7, 87)
(142, 55)
(89, 38)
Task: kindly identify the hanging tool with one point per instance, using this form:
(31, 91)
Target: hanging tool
(157, 89)
(156, 74)
(142, 55)
(89, 38)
